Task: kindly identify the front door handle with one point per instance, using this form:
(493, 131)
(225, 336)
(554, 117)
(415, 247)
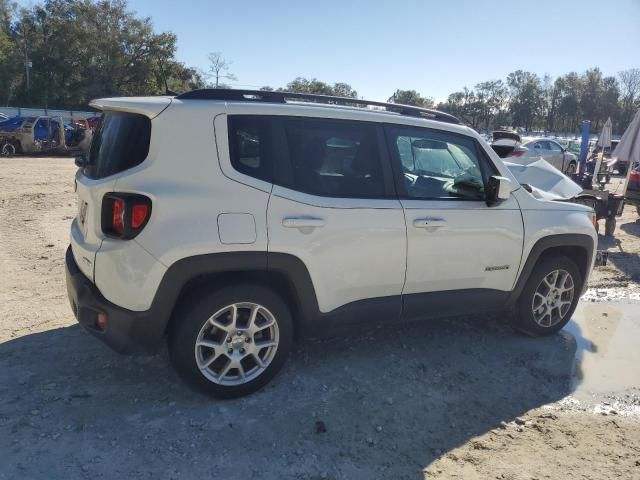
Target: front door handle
(302, 222)
(429, 222)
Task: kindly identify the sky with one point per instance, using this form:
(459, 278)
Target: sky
(434, 47)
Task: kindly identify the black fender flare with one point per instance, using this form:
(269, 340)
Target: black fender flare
(269, 267)
(566, 240)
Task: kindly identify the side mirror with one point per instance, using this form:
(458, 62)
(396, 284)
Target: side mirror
(498, 190)
(81, 160)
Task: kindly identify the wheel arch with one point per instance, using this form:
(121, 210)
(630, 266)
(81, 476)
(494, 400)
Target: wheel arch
(285, 274)
(577, 247)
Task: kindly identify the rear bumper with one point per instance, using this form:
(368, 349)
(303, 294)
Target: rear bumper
(126, 331)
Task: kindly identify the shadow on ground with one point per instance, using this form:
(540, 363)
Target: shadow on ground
(382, 405)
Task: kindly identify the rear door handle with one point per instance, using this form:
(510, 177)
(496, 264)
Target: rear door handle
(302, 222)
(429, 222)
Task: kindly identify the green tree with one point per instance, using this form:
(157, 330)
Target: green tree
(527, 98)
(411, 97)
(630, 92)
(82, 49)
(315, 86)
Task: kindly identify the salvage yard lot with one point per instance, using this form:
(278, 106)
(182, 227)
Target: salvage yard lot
(462, 398)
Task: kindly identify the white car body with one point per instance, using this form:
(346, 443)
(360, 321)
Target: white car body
(355, 250)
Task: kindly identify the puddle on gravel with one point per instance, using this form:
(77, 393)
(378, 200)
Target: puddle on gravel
(608, 348)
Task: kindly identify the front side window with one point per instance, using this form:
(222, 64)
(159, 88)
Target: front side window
(334, 158)
(437, 164)
(553, 146)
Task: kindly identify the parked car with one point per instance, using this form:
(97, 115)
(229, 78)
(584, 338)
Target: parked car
(570, 145)
(289, 219)
(41, 135)
(509, 145)
(632, 196)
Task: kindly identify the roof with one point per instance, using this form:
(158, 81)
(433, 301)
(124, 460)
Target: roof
(326, 100)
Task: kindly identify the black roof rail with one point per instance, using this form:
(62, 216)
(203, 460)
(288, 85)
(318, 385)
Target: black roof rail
(282, 97)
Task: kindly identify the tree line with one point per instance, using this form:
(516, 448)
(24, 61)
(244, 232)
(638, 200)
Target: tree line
(526, 100)
(62, 53)
(523, 100)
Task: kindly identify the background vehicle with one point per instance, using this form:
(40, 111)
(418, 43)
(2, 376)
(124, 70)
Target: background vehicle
(549, 150)
(292, 218)
(632, 196)
(42, 135)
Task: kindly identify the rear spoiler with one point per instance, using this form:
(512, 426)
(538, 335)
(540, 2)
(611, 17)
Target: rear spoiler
(148, 106)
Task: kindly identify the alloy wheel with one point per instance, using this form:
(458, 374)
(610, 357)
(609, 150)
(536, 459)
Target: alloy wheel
(553, 298)
(237, 343)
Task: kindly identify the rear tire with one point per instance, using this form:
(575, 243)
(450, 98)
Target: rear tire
(549, 297)
(572, 168)
(231, 342)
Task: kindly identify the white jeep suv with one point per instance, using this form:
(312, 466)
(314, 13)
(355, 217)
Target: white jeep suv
(229, 222)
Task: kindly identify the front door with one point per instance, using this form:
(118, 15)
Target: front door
(462, 256)
(557, 155)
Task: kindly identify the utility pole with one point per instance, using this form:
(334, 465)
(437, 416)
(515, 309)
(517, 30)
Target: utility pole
(27, 63)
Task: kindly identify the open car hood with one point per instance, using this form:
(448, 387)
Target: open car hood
(546, 182)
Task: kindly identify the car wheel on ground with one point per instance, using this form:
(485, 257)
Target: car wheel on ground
(7, 150)
(549, 297)
(231, 342)
(572, 168)
(610, 226)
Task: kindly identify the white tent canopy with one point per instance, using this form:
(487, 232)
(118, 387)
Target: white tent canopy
(604, 140)
(629, 147)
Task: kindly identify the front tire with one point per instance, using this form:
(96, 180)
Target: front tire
(572, 168)
(231, 342)
(549, 297)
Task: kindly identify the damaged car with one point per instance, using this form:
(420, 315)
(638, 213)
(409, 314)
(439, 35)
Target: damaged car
(44, 134)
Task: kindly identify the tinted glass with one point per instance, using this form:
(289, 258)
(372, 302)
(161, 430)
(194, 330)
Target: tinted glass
(121, 142)
(438, 164)
(334, 158)
(249, 144)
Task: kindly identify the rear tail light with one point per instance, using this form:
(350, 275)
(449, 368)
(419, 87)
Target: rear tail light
(124, 215)
(634, 176)
(516, 153)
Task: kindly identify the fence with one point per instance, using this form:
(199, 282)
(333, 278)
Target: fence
(36, 112)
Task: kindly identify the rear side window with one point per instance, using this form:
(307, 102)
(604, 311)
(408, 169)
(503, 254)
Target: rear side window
(121, 142)
(250, 140)
(334, 158)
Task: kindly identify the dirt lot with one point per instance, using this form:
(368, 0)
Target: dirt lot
(463, 398)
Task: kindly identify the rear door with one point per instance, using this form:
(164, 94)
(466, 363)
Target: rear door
(334, 206)
(462, 255)
(121, 143)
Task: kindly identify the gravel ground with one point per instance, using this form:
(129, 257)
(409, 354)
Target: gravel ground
(463, 398)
